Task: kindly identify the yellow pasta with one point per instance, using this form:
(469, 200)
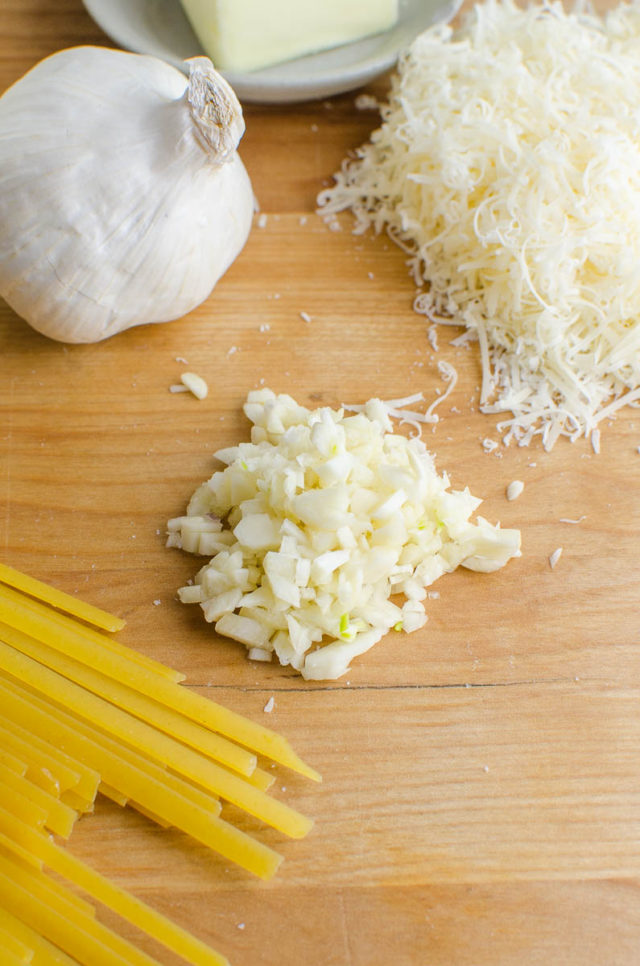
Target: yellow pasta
(9, 957)
(46, 954)
(20, 805)
(42, 768)
(22, 703)
(13, 946)
(193, 706)
(67, 771)
(13, 849)
(60, 817)
(57, 598)
(26, 870)
(15, 603)
(110, 792)
(10, 761)
(130, 730)
(192, 734)
(100, 889)
(28, 896)
(261, 779)
(153, 792)
(157, 745)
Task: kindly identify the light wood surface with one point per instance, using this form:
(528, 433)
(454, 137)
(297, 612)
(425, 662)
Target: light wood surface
(481, 794)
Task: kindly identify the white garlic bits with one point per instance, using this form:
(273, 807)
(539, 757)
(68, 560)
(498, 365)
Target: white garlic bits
(122, 197)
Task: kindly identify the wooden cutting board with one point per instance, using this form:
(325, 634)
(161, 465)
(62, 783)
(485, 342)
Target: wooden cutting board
(481, 794)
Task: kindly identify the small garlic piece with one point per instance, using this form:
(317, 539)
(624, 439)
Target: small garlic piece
(555, 557)
(122, 198)
(514, 489)
(195, 384)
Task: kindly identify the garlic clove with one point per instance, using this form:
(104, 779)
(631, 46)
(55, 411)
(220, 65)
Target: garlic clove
(113, 213)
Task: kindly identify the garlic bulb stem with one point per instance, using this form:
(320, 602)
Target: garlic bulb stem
(215, 110)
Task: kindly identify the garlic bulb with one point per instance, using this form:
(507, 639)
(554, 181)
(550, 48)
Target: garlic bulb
(122, 196)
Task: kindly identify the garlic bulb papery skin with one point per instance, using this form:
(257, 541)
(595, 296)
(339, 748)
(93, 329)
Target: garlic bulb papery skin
(123, 199)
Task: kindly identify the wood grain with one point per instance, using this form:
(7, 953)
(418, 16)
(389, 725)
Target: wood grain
(481, 794)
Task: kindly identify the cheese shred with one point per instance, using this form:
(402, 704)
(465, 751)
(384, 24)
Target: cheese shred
(507, 166)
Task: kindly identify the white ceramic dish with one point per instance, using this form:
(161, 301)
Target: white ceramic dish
(160, 28)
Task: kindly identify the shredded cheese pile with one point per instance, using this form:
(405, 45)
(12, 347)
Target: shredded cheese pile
(316, 523)
(507, 165)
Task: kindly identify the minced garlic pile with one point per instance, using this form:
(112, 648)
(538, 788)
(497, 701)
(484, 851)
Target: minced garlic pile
(316, 523)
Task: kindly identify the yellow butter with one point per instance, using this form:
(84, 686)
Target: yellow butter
(246, 35)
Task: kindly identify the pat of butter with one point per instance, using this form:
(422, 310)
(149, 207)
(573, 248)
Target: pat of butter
(246, 35)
